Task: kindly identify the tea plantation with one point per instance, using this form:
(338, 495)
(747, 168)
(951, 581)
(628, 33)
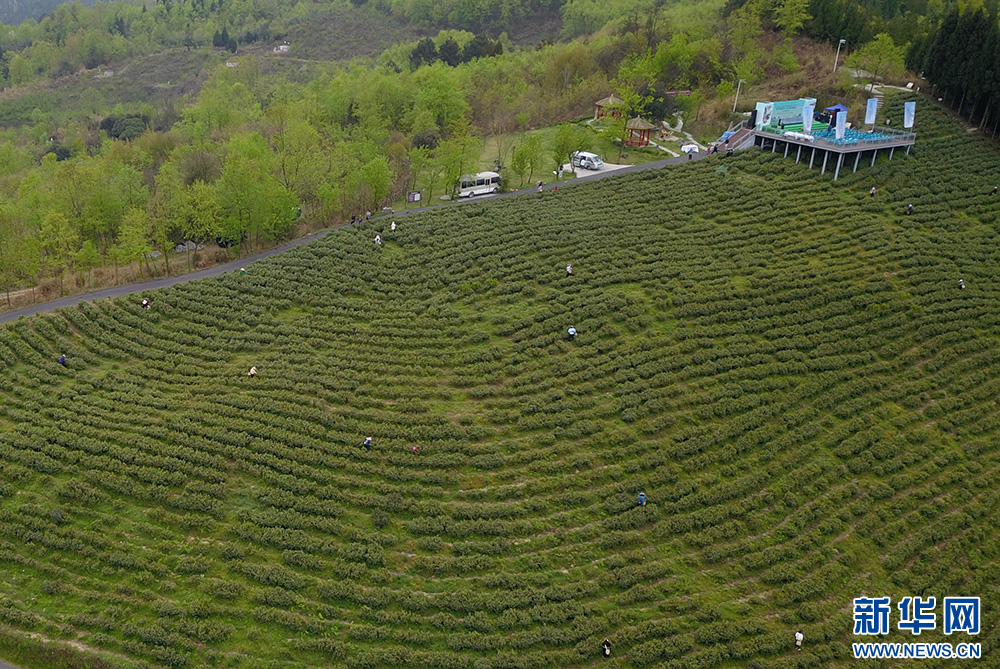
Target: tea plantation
(785, 366)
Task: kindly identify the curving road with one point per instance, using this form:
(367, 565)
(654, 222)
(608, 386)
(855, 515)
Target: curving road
(127, 289)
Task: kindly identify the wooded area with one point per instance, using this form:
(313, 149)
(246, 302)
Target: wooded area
(261, 145)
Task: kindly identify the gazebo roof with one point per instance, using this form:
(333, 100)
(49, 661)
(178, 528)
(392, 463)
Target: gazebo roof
(639, 124)
(608, 101)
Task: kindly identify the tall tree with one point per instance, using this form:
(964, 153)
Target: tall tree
(87, 259)
(877, 60)
(19, 258)
(133, 241)
(58, 241)
(202, 224)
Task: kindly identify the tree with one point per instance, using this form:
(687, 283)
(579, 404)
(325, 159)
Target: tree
(302, 165)
(217, 39)
(562, 144)
(533, 153)
(203, 222)
(19, 254)
(377, 178)
(87, 258)
(133, 240)
(419, 156)
(426, 52)
(790, 15)
(519, 162)
(877, 60)
(458, 155)
(58, 239)
(169, 209)
(253, 202)
(745, 27)
(450, 52)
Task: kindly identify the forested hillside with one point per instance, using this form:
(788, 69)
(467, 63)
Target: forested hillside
(131, 128)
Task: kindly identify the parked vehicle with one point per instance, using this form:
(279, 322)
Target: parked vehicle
(479, 184)
(588, 161)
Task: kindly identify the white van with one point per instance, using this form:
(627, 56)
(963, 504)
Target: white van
(588, 161)
(479, 184)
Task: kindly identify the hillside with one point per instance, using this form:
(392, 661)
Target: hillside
(13, 12)
(785, 366)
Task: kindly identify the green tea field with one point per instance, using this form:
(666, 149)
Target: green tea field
(785, 366)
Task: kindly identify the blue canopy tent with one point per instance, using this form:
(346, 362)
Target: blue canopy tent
(839, 107)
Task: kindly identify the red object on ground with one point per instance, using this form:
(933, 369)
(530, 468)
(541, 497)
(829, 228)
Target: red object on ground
(414, 448)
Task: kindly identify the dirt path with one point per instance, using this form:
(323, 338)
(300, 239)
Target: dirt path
(128, 289)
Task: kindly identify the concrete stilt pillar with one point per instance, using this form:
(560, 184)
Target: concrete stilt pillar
(891, 149)
(797, 154)
(826, 154)
(786, 148)
(840, 161)
(874, 156)
(856, 157)
(811, 157)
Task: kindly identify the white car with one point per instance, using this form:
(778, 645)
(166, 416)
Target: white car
(588, 161)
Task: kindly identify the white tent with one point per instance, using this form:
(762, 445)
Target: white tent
(690, 148)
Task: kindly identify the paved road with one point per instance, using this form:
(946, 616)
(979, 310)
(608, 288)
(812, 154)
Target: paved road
(118, 291)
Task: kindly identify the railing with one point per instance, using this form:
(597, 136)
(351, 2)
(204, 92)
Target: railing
(880, 135)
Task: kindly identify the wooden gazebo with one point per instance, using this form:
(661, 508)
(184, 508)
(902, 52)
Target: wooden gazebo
(608, 107)
(638, 132)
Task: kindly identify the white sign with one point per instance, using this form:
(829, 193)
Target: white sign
(870, 111)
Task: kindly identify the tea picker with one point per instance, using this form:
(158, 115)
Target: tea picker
(642, 499)
(909, 209)
(62, 360)
(569, 270)
(243, 271)
(961, 283)
(145, 304)
(872, 191)
(393, 226)
(798, 640)
(252, 373)
(368, 442)
(606, 648)
(378, 240)
(572, 333)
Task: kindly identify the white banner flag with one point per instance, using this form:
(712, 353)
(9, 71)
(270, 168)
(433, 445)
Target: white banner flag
(870, 111)
(807, 118)
(909, 109)
(841, 124)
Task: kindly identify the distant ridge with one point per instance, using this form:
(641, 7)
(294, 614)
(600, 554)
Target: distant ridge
(14, 12)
